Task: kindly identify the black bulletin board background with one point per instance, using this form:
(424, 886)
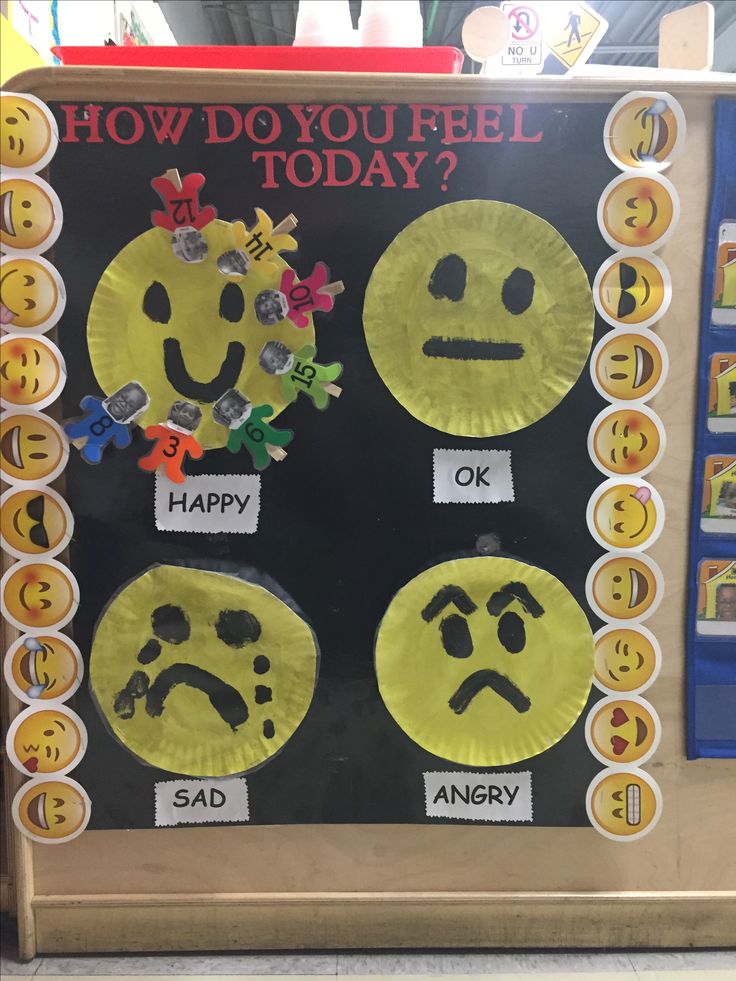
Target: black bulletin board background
(356, 490)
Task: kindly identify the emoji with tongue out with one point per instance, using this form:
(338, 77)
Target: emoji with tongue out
(32, 296)
(622, 730)
(625, 515)
(48, 740)
(51, 811)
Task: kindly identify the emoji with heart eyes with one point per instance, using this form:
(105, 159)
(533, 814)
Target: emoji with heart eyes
(28, 132)
(51, 811)
(628, 366)
(627, 659)
(34, 521)
(625, 515)
(30, 214)
(484, 661)
(39, 595)
(32, 296)
(43, 667)
(644, 129)
(624, 587)
(632, 290)
(622, 730)
(623, 805)
(626, 441)
(32, 371)
(638, 212)
(32, 447)
(46, 740)
(478, 318)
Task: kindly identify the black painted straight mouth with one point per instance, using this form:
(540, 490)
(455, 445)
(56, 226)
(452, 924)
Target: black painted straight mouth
(468, 349)
(182, 381)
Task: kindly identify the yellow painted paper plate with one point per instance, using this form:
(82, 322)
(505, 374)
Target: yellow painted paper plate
(479, 318)
(484, 661)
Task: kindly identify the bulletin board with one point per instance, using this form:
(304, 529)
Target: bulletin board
(360, 511)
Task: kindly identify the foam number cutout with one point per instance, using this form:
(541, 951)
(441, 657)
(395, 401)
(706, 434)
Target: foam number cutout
(256, 436)
(181, 201)
(264, 240)
(306, 295)
(314, 380)
(97, 429)
(170, 450)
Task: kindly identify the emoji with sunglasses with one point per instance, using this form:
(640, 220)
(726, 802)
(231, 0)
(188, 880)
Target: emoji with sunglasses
(39, 595)
(32, 447)
(43, 667)
(32, 370)
(34, 520)
(626, 441)
(623, 805)
(51, 811)
(46, 740)
(632, 290)
(644, 129)
(29, 132)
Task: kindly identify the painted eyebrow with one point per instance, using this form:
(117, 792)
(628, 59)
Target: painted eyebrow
(510, 592)
(443, 597)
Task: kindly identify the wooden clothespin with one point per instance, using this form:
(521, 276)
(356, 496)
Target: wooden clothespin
(286, 226)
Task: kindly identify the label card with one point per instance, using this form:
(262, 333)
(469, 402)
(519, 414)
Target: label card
(209, 503)
(472, 476)
(201, 801)
(479, 796)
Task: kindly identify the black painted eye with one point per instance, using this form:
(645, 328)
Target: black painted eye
(232, 303)
(518, 291)
(456, 637)
(170, 623)
(236, 628)
(156, 303)
(149, 652)
(511, 632)
(448, 279)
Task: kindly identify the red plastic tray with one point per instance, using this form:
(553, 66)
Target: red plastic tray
(439, 61)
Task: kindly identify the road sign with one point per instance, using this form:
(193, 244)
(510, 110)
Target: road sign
(573, 31)
(524, 48)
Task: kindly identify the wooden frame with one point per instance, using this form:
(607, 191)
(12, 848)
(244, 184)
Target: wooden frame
(394, 886)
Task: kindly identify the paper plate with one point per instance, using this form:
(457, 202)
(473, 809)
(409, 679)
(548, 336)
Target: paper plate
(184, 330)
(484, 661)
(479, 318)
(201, 673)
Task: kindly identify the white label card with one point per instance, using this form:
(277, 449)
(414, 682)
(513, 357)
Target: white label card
(201, 801)
(209, 503)
(472, 476)
(479, 796)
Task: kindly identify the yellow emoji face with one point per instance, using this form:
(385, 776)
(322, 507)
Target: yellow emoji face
(164, 304)
(34, 521)
(638, 211)
(30, 214)
(32, 447)
(470, 662)
(624, 442)
(32, 371)
(51, 811)
(28, 132)
(39, 595)
(46, 740)
(32, 295)
(625, 515)
(644, 129)
(626, 659)
(627, 366)
(623, 804)
(43, 667)
(632, 290)
(624, 587)
(478, 318)
(622, 731)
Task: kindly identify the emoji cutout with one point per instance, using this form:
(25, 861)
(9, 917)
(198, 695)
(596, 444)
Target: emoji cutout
(627, 659)
(626, 441)
(638, 211)
(46, 740)
(32, 447)
(627, 366)
(30, 215)
(32, 370)
(625, 514)
(621, 586)
(39, 595)
(622, 730)
(28, 132)
(632, 290)
(623, 805)
(32, 295)
(34, 520)
(43, 667)
(644, 130)
(478, 318)
(174, 442)
(484, 661)
(201, 673)
(51, 811)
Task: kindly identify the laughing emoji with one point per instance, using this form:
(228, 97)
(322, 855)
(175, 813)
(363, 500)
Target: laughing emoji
(628, 366)
(644, 130)
(624, 587)
(32, 447)
(30, 215)
(51, 811)
(44, 667)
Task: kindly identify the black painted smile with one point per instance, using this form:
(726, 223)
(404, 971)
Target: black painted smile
(468, 349)
(190, 388)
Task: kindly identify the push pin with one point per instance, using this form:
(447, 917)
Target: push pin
(107, 421)
(173, 442)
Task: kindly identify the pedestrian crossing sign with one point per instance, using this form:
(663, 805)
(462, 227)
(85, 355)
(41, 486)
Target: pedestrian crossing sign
(573, 31)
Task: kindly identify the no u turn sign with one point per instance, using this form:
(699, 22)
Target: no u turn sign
(524, 47)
